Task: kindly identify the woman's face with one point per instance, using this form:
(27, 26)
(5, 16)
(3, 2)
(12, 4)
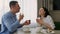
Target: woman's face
(41, 11)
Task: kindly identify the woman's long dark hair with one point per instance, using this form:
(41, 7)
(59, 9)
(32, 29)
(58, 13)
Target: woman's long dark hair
(46, 12)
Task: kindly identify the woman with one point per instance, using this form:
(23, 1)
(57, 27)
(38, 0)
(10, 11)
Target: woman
(45, 20)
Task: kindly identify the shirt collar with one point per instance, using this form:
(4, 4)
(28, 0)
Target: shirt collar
(11, 13)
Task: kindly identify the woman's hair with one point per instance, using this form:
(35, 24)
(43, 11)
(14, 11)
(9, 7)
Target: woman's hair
(46, 12)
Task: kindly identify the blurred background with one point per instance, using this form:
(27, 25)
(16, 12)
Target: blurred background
(30, 9)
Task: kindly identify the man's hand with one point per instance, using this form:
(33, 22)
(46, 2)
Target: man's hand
(21, 17)
(27, 22)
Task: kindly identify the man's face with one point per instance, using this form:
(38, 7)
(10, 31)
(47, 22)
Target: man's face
(16, 8)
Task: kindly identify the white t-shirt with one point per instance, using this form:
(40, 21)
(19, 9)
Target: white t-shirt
(49, 20)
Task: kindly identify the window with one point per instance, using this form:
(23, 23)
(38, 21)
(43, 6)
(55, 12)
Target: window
(56, 4)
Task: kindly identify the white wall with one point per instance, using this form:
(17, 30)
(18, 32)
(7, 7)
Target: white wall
(30, 9)
(1, 10)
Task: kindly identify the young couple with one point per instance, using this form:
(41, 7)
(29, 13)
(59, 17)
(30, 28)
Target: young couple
(10, 23)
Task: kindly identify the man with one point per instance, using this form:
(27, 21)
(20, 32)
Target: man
(9, 21)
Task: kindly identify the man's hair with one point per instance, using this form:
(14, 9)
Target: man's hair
(12, 3)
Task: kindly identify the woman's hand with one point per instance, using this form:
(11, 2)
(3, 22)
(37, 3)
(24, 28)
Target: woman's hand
(39, 21)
